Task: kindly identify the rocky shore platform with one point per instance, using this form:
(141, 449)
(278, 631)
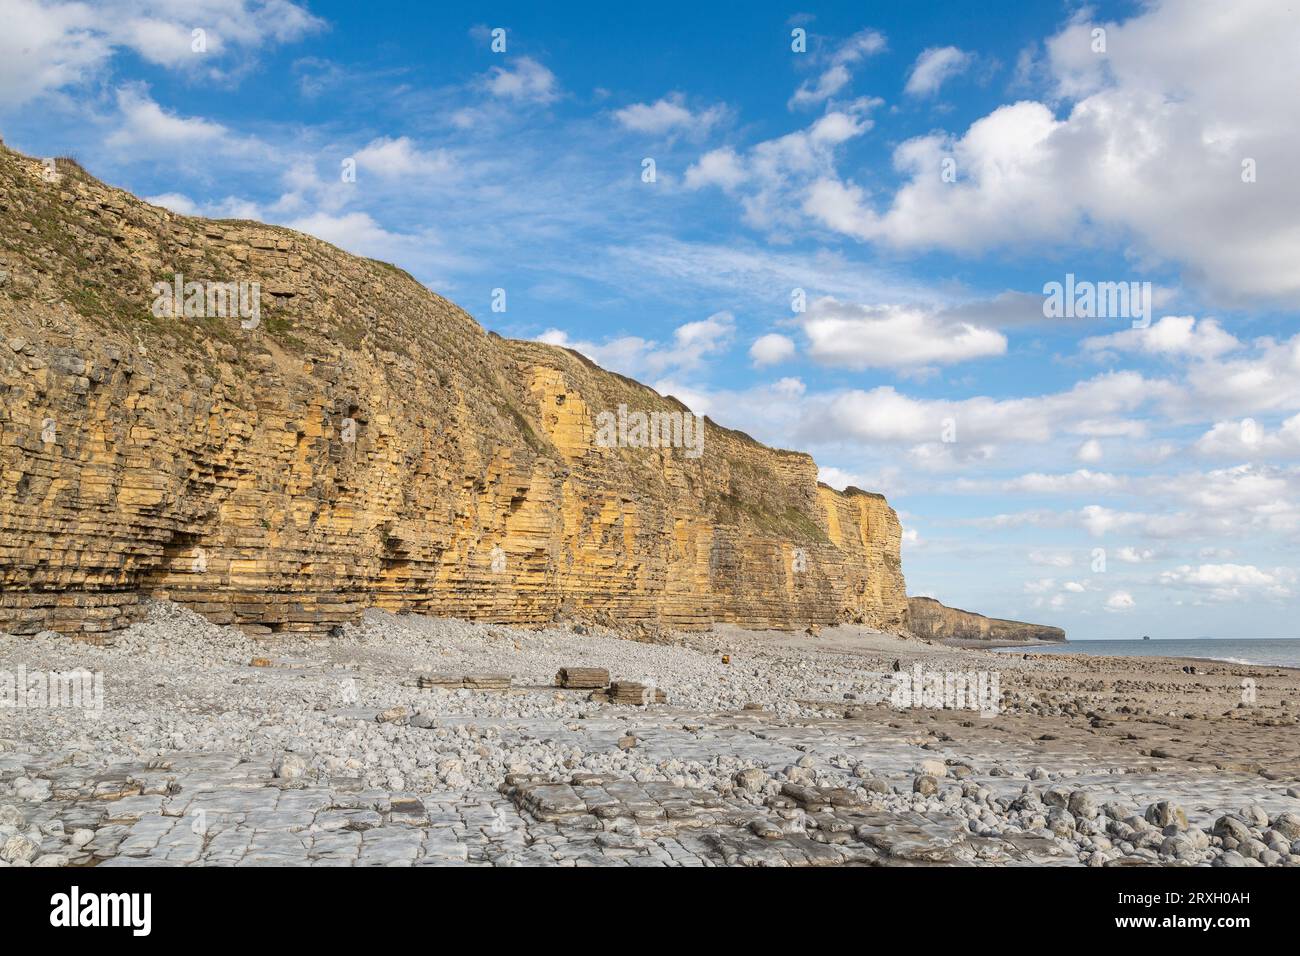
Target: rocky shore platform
(406, 740)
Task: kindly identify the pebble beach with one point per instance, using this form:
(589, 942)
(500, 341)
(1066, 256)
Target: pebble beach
(208, 747)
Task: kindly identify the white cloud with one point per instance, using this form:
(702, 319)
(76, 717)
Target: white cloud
(1174, 335)
(667, 115)
(1154, 147)
(1267, 380)
(1001, 194)
(176, 202)
(1082, 481)
(351, 231)
(697, 400)
(770, 349)
(165, 43)
(1107, 428)
(1051, 559)
(720, 167)
(1134, 555)
(632, 355)
(528, 82)
(882, 414)
(837, 75)
(1090, 451)
(47, 47)
(1242, 488)
(827, 85)
(934, 66)
(145, 123)
(1147, 152)
(1245, 500)
(51, 46)
(399, 157)
(1249, 440)
(861, 336)
(1231, 582)
(1120, 601)
(838, 479)
(772, 170)
(789, 387)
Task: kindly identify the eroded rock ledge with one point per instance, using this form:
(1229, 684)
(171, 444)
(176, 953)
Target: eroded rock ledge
(927, 618)
(367, 444)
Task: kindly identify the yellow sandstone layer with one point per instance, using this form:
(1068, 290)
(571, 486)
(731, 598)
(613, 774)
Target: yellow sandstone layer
(366, 444)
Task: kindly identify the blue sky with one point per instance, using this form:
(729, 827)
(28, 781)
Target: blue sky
(919, 171)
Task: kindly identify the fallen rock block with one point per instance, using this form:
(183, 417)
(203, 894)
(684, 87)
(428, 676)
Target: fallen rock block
(426, 681)
(630, 692)
(488, 681)
(582, 677)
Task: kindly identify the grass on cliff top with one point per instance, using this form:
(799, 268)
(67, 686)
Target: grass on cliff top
(790, 523)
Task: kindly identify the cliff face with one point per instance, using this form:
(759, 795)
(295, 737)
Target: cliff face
(927, 618)
(364, 442)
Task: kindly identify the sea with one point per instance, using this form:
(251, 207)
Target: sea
(1270, 652)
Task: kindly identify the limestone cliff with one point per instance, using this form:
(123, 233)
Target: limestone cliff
(927, 618)
(365, 442)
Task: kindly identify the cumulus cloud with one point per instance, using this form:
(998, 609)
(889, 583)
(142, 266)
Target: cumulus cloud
(692, 343)
(764, 176)
(1174, 335)
(1180, 163)
(826, 85)
(883, 414)
(770, 349)
(668, 115)
(176, 202)
(1245, 500)
(1231, 582)
(1090, 451)
(357, 232)
(145, 123)
(51, 46)
(789, 387)
(528, 82)
(1130, 555)
(719, 167)
(1247, 439)
(933, 67)
(398, 157)
(886, 336)
(1053, 594)
(838, 478)
(1120, 601)
(1265, 379)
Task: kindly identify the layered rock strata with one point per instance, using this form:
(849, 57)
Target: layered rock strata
(360, 441)
(927, 618)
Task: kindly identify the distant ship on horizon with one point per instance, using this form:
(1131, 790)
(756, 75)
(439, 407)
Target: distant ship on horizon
(1146, 637)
